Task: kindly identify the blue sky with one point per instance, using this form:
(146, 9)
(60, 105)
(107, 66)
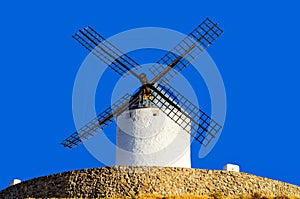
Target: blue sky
(257, 58)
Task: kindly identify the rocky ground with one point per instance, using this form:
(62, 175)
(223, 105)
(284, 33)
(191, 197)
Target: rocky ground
(160, 181)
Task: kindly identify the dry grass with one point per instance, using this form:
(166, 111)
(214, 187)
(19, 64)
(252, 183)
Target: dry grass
(213, 196)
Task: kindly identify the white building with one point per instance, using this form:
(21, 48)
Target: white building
(231, 167)
(146, 136)
(14, 182)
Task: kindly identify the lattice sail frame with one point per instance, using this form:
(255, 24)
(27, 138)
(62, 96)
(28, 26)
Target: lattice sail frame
(106, 51)
(187, 115)
(98, 123)
(186, 51)
(176, 60)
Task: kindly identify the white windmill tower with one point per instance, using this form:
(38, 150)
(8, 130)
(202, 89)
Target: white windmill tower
(155, 125)
(146, 136)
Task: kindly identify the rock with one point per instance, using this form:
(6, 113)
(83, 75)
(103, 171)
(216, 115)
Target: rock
(130, 181)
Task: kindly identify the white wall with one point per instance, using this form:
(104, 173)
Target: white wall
(147, 140)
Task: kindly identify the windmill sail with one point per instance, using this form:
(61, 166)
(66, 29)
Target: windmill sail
(187, 115)
(183, 53)
(98, 123)
(178, 108)
(106, 51)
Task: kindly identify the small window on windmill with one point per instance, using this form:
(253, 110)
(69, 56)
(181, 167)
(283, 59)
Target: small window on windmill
(155, 112)
(128, 114)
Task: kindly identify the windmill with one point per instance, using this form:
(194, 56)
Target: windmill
(155, 101)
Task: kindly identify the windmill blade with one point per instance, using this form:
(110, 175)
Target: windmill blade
(186, 51)
(106, 51)
(99, 123)
(185, 113)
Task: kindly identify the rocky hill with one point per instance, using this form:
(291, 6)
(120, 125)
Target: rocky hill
(132, 181)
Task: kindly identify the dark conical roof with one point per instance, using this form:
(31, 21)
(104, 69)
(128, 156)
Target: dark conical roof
(146, 103)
